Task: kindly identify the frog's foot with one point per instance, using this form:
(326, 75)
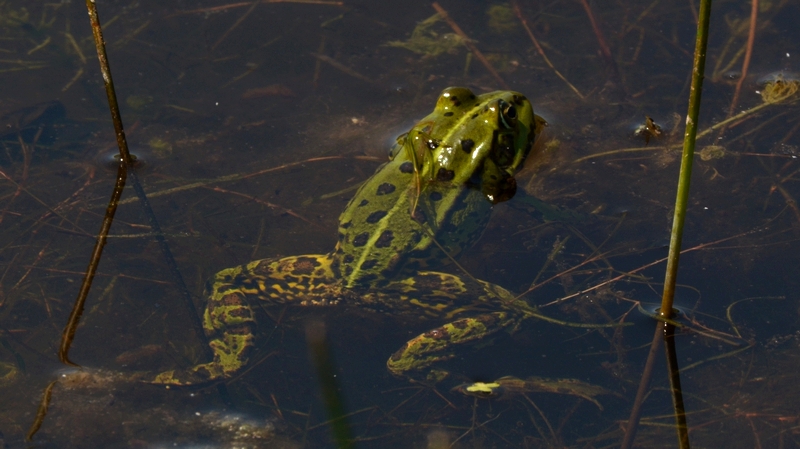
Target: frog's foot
(437, 345)
(507, 387)
(229, 325)
(230, 355)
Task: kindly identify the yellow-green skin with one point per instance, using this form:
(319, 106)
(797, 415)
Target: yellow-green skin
(429, 202)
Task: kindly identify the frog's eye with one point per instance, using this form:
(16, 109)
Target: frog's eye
(508, 114)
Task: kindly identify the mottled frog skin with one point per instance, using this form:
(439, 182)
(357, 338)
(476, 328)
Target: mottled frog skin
(419, 210)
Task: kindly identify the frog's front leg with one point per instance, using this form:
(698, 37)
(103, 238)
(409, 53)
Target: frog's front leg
(229, 321)
(420, 353)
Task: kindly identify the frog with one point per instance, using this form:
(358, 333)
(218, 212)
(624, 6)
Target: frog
(429, 202)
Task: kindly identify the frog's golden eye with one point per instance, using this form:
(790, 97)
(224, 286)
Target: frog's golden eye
(508, 114)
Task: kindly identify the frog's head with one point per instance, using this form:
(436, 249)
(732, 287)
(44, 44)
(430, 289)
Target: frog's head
(477, 141)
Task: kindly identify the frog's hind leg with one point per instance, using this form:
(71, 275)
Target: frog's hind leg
(229, 321)
(415, 358)
(473, 309)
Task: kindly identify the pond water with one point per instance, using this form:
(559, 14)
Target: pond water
(254, 122)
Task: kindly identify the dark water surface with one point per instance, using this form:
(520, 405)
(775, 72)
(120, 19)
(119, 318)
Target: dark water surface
(314, 92)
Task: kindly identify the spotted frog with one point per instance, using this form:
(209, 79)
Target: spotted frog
(430, 201)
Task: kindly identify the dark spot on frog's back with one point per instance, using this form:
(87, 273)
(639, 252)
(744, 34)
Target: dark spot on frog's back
(467, 145)
(419, 216)
(385, 189)
(448, 114)
(460, 324)
(435, 196)
(445, 175)
(239, 313)
(231, 300)
(363, 203)
(369, 264)
(428, 282)
(265, 268)
(406, 167)
(240, 330)
(367, 278)
(376, 216)
(361, 239)
(286, 278)
(349, 258)
(385, 239)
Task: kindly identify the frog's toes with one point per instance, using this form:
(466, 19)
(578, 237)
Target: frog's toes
(482, 390)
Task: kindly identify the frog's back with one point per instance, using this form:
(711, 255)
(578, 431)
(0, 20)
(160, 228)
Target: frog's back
(433, 192)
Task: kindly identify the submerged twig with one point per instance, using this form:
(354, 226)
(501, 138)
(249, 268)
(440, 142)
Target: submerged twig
(539, 48)
(336, 64)
(239, 176)
(42, 411)
(235, 24)
(608, 59)
(751, 37)
(442, 12)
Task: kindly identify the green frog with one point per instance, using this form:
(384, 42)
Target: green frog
(430, 201)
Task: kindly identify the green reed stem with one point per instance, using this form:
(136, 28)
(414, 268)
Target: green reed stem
(681, 202)
(684, 178)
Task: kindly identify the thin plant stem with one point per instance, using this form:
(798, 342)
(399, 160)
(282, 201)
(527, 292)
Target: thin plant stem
(235, 24)
(681, 202)
(41, 413)
(68, 333)
(612, 70)
(751, 37)
(468, 42)
(126, 167)
(539, 49)
(644, 384)
(684, 177)
(675, 385)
